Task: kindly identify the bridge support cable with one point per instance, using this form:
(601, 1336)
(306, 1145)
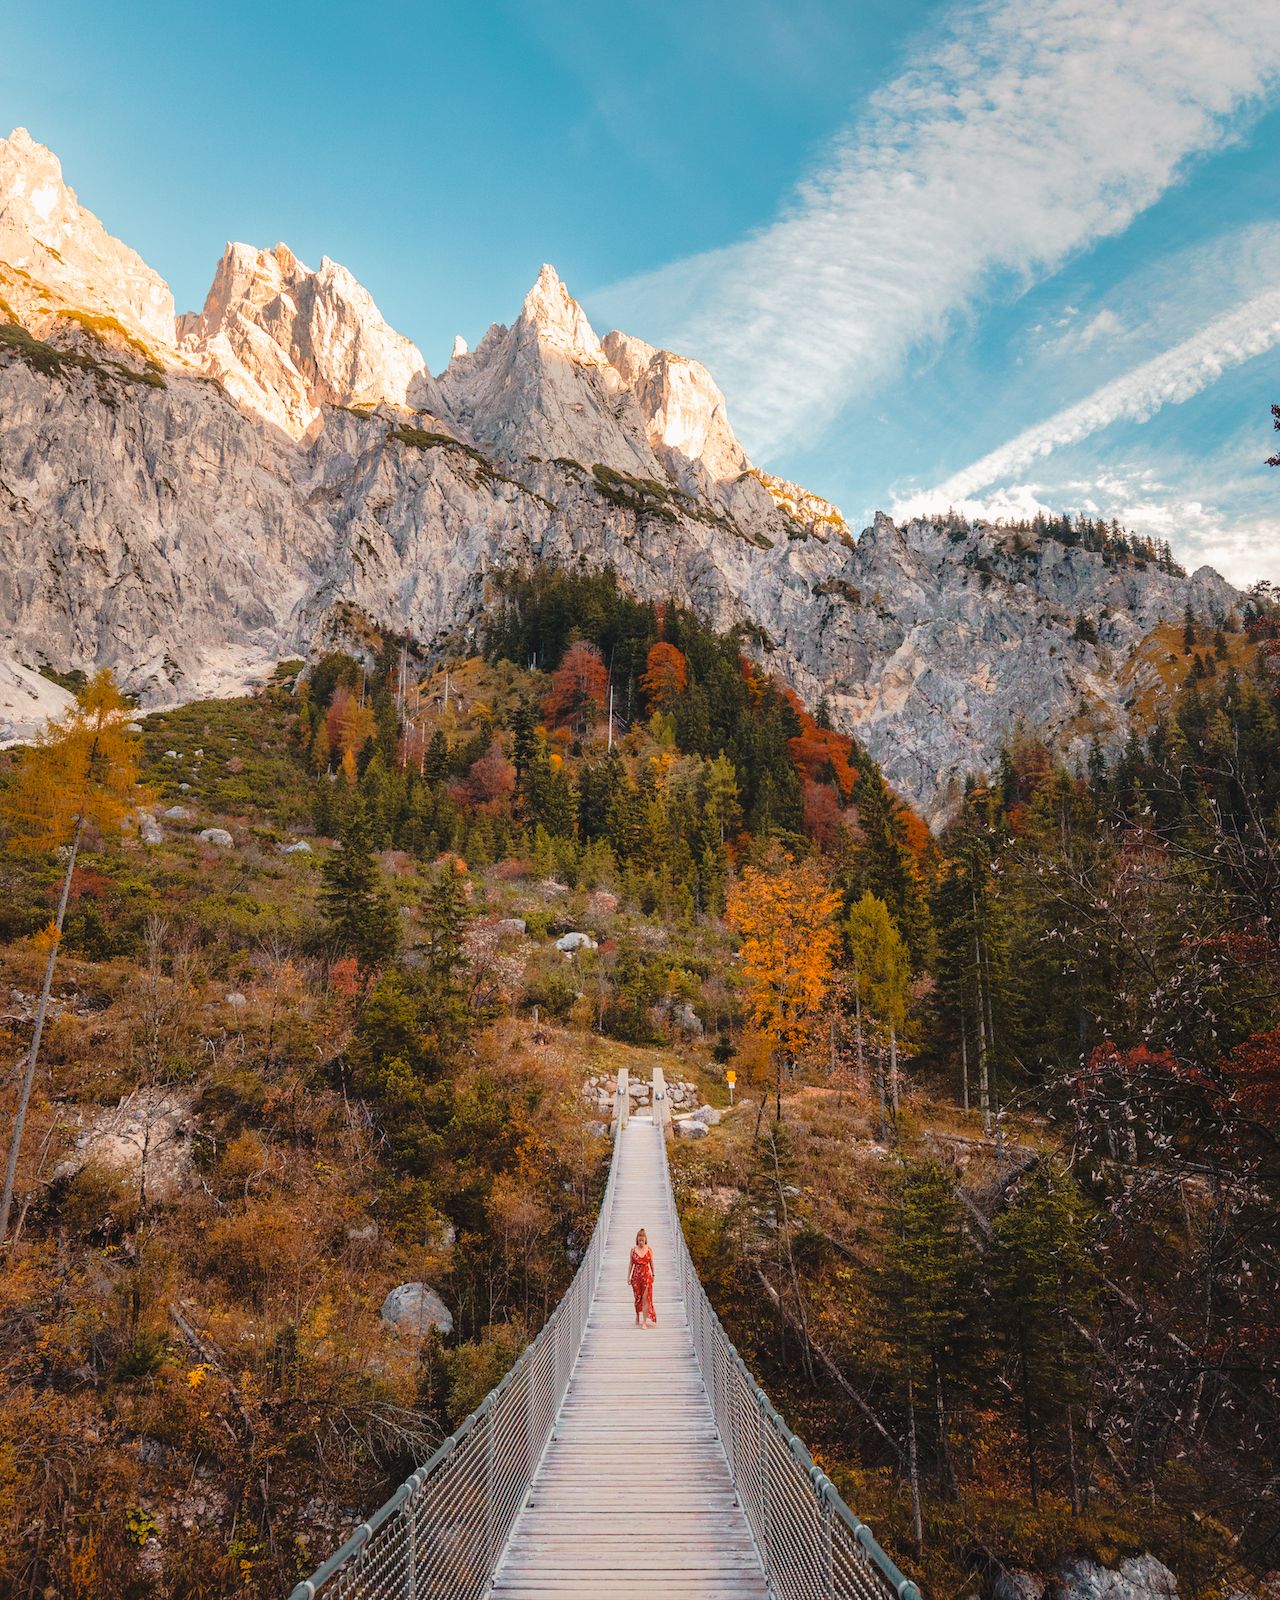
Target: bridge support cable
(811, 1545)
(523, 1499)
(441, 1535)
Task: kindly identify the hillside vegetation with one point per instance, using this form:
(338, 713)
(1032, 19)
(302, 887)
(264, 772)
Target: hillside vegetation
(994, 1220)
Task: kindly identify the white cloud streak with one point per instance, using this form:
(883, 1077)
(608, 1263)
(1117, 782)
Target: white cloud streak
(1240, 334)
(1030, 130)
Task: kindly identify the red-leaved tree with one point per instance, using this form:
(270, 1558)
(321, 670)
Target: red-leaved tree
(578, 688)
(489, 782)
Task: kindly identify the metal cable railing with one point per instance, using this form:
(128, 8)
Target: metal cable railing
(443, 1532)
(811, 1544)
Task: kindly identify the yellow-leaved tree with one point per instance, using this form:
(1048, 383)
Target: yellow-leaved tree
(783, 912)
(82, 772)
(881, 984)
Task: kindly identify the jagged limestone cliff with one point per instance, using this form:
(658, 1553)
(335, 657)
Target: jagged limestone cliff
(187, 502)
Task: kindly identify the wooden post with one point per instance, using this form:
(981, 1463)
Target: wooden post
(621, 1102)
(660, 1106)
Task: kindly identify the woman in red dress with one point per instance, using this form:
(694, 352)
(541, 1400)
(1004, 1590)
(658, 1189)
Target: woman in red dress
(640, 1277)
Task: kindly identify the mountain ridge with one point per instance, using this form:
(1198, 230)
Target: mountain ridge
(193, 498)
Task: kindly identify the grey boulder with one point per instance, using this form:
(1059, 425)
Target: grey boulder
(414, 1309)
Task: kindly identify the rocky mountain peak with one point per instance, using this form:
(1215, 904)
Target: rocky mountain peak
(285, 341)
(557, 320)
(46, 234)
(544, 387)
(189, 546)
(682, 406)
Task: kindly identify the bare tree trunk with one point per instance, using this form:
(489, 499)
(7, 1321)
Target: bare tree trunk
(993, 1089)
(984, 1081)
(950, 1487)
(964, 1063)
(1028, 1421)
(893, 1068)
(33, 1053)
(1071, 1463)
(785, 1234)
(913, 1462)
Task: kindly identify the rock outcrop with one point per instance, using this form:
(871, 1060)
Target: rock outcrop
(145, 1140)
(284, 341)
(189, 503)
(47, 236)
(1140, 1577)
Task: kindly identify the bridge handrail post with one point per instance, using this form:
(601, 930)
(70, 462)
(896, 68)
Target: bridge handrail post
(658, 1101)
(621, 1102)
(489, 1524)
(763, 1455)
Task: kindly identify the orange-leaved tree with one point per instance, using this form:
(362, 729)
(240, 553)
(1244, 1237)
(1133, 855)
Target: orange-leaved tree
(81, 772)
(578, 688)
(666, 676)
(350, 723)
(783, 912)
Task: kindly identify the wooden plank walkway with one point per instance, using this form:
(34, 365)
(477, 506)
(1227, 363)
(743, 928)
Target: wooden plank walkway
(634, 1497)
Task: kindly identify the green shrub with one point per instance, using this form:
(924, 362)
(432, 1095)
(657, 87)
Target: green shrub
(554, 994)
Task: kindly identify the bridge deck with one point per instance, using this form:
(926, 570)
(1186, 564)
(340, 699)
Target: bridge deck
(634, 1496)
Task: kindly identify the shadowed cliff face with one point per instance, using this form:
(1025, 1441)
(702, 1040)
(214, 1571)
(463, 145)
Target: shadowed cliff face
(188, 503)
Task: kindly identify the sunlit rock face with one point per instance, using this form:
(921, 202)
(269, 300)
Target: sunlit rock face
(48, 236)
(544, 387)
(189, 504)
(285, 341)
(683, 410)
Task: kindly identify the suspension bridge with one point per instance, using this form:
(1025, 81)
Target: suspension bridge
(618, 1462)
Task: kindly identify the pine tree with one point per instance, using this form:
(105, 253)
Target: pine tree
(1044, 1292)
(881, 980)
(436, 761)
(361, 918)
(444, 919)
(928, 1290)
(320, 749)
(524, 739)
(720, 796)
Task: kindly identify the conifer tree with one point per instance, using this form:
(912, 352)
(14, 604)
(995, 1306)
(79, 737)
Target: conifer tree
(1044, 1292)
(436, 761)
(928, 1293)
(359, 913)
(881, 979)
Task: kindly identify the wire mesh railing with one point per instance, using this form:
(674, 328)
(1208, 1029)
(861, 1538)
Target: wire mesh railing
(810, 1543)
(442, 1534)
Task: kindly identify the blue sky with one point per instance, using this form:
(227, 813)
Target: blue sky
(1018, 253)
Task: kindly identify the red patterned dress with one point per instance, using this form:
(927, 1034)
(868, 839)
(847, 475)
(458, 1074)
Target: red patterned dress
(640, 1278)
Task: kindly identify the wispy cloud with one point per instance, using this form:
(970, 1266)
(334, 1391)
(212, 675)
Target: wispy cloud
(1029, 130)
(1175, 375)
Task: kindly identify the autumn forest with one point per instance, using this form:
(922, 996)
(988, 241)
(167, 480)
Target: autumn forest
(298, 1016)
